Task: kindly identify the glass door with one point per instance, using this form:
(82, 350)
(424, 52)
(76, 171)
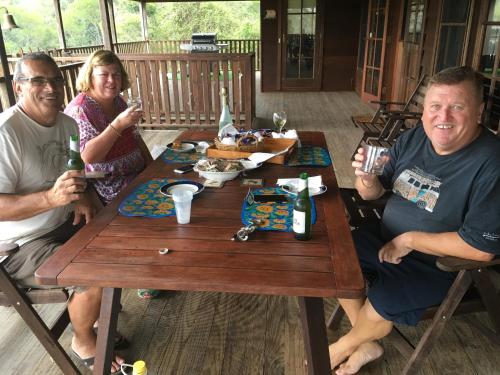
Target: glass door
(412, 46)
(374, 50)
(301, 45)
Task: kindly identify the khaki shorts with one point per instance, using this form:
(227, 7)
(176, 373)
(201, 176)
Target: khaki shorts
(22, 265)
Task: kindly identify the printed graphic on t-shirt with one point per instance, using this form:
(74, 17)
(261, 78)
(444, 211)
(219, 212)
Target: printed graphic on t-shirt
(419, 187)
(54, 156)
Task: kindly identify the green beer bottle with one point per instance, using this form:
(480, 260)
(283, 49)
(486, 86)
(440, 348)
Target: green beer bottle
(75, 162)
(302, 225)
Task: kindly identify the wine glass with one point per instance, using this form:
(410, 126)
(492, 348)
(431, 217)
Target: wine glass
(135, 101)
(279, 119)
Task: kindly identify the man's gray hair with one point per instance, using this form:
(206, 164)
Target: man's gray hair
(456, 75)
(35, 56)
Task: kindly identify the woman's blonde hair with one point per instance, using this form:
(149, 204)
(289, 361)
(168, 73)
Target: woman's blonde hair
(99, 58)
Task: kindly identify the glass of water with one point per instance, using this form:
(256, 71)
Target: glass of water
(279, 119)
(135, 101)
(375, 159)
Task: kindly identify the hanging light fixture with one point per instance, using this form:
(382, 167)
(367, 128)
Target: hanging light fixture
(8, 22)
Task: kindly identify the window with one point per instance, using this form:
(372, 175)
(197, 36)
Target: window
(301, 30)
(452, 33)
(488, 65)
(414, 21)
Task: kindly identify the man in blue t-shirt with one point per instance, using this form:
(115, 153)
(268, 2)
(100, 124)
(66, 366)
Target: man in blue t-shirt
(445, 180)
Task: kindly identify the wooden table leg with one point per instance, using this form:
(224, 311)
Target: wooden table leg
(108, 318)
(315, 339)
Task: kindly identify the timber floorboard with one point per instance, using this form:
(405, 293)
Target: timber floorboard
(225, 333)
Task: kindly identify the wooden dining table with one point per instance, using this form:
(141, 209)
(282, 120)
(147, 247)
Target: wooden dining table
(115, 251)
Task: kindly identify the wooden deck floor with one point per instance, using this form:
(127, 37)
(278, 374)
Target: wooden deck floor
(233, 334)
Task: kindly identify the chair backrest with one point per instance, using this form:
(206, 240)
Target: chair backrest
(415, 102)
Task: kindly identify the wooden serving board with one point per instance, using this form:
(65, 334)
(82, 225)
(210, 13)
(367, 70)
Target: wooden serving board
(272, 145)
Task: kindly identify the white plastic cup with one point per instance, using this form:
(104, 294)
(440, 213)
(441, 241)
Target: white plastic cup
(182, 201)
(375, 159)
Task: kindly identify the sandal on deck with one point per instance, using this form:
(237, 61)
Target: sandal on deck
(89, 362)
(120, 342)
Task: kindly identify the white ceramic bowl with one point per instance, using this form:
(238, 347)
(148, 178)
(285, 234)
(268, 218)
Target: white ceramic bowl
(218, 176)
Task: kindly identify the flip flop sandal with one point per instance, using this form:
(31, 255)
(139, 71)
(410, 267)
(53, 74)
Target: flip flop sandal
(88, 362)
(120, 342)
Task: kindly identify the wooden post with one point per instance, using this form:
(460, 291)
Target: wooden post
(6, 71)
(60, 26)
(111, 10)
(144, 23)
(106, 25)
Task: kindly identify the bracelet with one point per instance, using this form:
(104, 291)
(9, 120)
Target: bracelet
(115, 130)
(365, 185)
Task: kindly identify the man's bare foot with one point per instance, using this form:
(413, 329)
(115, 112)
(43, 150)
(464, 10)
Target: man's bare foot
(365, 353)
(338, 353)
(87, 352)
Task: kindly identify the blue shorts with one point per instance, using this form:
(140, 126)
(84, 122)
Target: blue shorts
(400, 292)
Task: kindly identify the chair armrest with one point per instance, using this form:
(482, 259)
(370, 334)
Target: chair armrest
(453, 264)
(384, 102)
(403, 114)
(8, 248)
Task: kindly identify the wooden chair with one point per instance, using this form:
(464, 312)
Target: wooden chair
(472, 291)
(387, 137)
(412, 108)
(22, 299)
(361, 212)
(386, 125)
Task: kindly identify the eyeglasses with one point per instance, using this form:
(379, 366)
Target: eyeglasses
(43, 81)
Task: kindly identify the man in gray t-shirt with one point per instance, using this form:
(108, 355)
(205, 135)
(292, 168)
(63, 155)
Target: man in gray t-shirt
(445, 180)
(40, 204)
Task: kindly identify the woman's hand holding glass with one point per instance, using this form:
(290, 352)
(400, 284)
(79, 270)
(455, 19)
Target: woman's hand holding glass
(128, 118)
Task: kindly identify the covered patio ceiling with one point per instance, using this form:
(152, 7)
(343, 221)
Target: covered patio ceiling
(181, 1)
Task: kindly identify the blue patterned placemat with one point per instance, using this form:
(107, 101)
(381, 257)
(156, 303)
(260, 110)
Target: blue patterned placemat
(146, 200)
(278, 216)
(311, 156)
(170, 156)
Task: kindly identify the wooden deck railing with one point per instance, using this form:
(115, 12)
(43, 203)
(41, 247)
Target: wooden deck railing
(181, 90)
(70, 72)
(166, 46)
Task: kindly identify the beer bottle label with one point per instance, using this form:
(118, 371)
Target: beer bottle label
(74, 146)
(299, 221)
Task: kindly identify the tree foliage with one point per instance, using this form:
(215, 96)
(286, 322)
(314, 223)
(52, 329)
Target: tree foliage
(82, 21)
